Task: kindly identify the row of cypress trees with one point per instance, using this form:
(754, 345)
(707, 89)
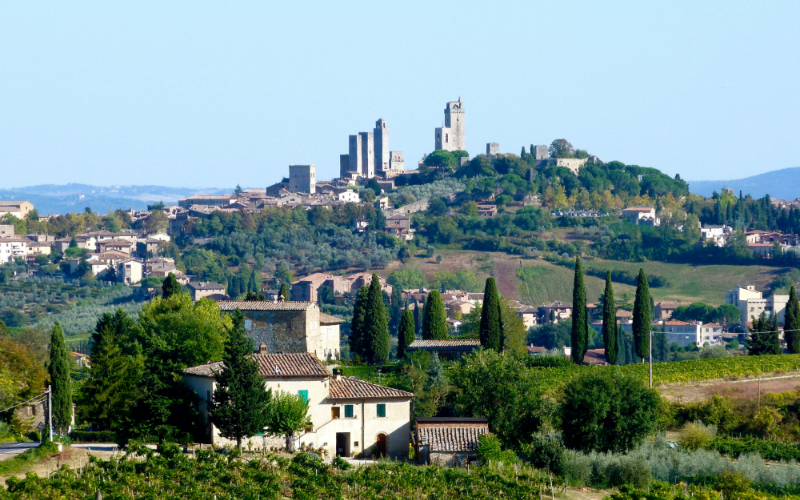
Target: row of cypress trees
(369, 328)
(642, 318)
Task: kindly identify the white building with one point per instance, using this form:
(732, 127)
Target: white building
(11, 248)
(347, 415)
(718, 234)
(685, 334)
(751, 303)
(348, 196)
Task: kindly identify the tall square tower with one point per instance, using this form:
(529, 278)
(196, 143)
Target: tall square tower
(367, 154)
(382, 157)
(451, 137)
(355, 153)
(303, 178)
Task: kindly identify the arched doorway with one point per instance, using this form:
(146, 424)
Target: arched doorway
(381, 445)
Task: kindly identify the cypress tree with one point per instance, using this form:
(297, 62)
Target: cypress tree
(58, 370)
(396, 309)
(170, 287)
(609, 322)
(240, 402)
(791, 323)
(580, 330)
(357, 323)
(491, 329)
(376, 340)
(434, 323)
(642, 321)
(417, 317)
(284, 292)
(405, 334)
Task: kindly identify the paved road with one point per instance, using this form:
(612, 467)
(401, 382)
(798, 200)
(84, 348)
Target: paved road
(9, 450)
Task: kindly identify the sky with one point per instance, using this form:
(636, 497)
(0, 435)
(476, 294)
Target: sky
(214, 94)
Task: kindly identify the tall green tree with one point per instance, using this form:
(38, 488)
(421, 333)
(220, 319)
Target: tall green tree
(357, 324)
(376, 325)
(240, 402)
(491, 330)
(112, 390)
(580, 330)
(284, 292)
(170, 287)
(395, 310)
(609, 322)
(58, 369)
(791, 323)
(405, 334)
(418, 317)
(434, 324)
(642, 321)
(763, 337)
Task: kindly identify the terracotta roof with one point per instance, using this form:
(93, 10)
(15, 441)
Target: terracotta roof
(289, 365)
(327, 319)
(676, 323)
(203, 285)
(263, 305)
(350, 388)
(445, 345)
(451, 439)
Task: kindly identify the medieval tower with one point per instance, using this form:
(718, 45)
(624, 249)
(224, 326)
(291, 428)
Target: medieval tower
(451, 136)
(381, 138)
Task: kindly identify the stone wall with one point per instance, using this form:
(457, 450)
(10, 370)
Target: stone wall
(283, 331)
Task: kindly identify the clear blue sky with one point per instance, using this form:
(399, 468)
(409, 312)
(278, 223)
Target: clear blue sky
(206, 94)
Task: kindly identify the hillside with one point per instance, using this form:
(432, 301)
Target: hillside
(757, 185)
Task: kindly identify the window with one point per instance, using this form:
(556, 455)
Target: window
(335, 413)
(381, 410)
(247, 324)
(304, 395)
(348, 411)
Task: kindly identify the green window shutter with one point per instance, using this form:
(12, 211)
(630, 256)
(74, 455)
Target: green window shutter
(348, 411)
(304, 395)
(381, 410)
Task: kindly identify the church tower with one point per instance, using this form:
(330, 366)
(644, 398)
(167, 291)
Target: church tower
(451, 137)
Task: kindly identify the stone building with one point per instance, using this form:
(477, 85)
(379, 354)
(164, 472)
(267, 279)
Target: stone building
(201, 289)
(451, 136)
(302, 178)
(448, 441)
(289, 327)
(381, 135)
(492, 149)
(369, 154)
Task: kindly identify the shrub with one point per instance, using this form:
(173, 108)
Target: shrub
(714, 351)
(490, 449)
(93, 436)
(545, 451)
(696, 435)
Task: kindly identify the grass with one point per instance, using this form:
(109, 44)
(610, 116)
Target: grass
(27, 459)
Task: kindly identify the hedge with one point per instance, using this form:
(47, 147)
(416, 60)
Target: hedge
(93, 436)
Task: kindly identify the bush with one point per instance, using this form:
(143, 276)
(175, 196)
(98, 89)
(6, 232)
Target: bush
(545, 451)
(714, 351)
(490, 449)
(696, 435)
(341, 463)
(93, 436)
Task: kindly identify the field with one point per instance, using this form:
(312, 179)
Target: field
(545, 282)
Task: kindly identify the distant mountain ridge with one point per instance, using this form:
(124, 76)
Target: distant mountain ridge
(781, 184)
(65, 198)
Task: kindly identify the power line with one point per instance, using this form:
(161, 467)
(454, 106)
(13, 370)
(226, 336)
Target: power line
(25, 402)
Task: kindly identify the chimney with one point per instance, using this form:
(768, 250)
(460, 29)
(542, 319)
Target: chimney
(262, 349)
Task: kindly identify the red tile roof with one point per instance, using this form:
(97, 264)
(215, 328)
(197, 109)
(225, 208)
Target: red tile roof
(289, 365)
(350, 388)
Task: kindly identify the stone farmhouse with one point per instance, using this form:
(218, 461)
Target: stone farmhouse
(450, 441)
(348, 416)
(289, 327)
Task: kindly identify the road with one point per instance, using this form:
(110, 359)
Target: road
(9, 450)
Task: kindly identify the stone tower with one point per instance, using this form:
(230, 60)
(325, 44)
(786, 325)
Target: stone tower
(451, 137)
(381, 134)
(367, 155)
(355, 153)
(302, 178)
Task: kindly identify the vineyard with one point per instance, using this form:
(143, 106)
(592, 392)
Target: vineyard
(143, 473)
(682, 371)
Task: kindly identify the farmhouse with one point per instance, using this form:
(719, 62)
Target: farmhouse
(448, 440)
(348, 416)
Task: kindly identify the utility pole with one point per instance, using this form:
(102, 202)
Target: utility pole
(651, 358)
(50, 409)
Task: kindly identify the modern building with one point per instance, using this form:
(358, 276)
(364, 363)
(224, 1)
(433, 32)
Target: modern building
(17, 208)
(751, 304)
(348, 416)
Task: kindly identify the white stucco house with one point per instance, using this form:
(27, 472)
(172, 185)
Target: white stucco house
(347, 415)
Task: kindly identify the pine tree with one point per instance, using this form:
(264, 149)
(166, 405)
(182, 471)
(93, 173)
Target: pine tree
(284, 292)
(240, 402)
(376, 340)
(358, 322)
(791, 323)
(609, 322)
(58, 370)
(642, 321)
(580, 330)
(763, 336)
(434, 324)
(491, 329)
(405, 334)
(170, 287)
